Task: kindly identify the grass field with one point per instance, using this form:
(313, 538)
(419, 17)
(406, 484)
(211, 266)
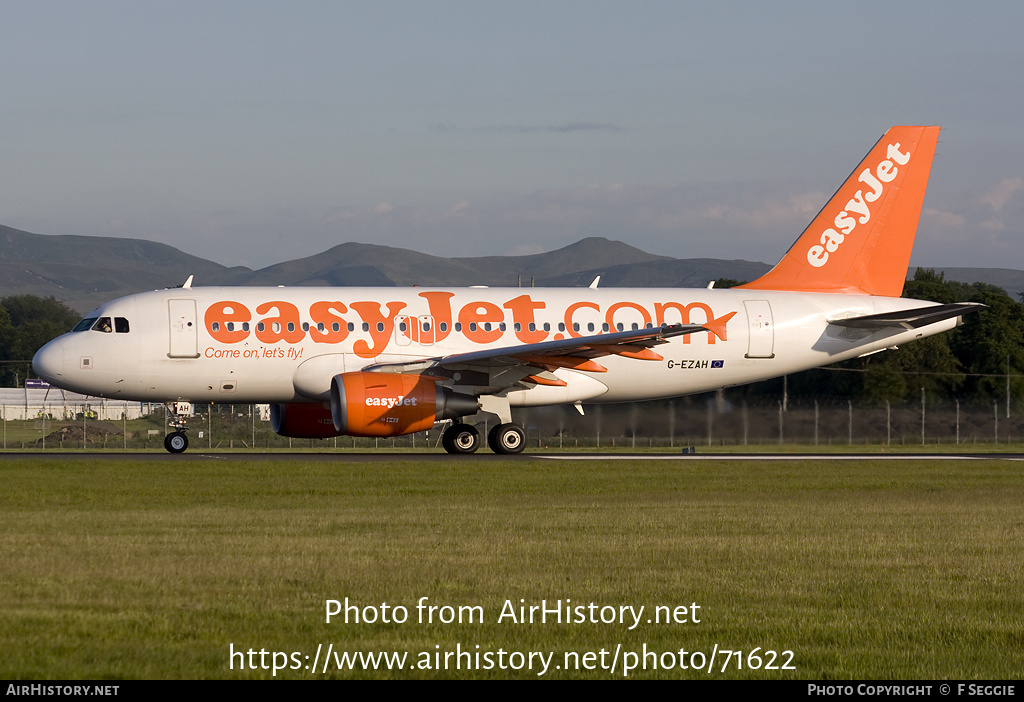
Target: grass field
(130, 568)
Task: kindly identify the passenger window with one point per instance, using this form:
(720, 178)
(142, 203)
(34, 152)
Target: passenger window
(120, 325)
(102, 325)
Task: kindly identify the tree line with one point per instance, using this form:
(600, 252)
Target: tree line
(26, 323)
(969, 363)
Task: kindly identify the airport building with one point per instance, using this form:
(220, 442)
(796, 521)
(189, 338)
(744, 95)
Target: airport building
(39, 399)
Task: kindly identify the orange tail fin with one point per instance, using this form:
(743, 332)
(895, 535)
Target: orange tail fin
(861, 240)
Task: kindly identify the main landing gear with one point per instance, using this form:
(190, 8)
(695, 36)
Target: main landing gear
(460, 438)
(505, 438)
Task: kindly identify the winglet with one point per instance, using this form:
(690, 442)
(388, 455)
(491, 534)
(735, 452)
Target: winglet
(860, 242)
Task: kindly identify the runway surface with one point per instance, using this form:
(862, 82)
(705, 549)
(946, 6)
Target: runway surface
(487, 456)
(790, 457)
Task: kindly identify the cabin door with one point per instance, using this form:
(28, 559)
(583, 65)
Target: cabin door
(760, 329)
(184, 335)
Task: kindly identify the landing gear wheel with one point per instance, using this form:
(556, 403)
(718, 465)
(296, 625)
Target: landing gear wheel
(460, 438)
(507, 439)
(176, 442)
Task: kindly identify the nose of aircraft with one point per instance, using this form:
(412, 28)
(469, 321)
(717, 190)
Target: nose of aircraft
(48, 363)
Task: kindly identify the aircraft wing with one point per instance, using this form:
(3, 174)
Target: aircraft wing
(500, 368)
(909, 319)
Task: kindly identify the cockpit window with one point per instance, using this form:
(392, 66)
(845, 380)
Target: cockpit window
(85, 324)
(120, 325)
(103, 325)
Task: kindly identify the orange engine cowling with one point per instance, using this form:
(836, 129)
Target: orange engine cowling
(302, 421)
(391, 404)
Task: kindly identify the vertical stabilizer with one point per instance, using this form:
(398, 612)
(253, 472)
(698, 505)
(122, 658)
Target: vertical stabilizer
(860, 242)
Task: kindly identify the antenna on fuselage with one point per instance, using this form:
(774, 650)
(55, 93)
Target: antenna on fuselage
(188, 283)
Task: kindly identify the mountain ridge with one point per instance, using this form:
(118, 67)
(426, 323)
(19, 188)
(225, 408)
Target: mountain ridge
(86, 271)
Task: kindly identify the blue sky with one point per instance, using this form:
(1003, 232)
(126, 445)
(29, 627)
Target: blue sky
(255, 132)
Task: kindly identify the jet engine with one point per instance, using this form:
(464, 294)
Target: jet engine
(302, 420)
(391, 404)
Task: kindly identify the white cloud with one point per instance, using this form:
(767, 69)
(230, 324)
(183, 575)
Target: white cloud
(1002, 193)
(754, 221)
(931, 216)
(980, 228)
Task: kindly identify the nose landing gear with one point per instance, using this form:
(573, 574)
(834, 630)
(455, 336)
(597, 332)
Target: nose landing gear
(176, 441)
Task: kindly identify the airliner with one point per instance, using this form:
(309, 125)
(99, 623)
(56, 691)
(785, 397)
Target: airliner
(382, 362)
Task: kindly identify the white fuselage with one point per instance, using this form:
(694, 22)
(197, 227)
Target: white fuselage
(284, 345)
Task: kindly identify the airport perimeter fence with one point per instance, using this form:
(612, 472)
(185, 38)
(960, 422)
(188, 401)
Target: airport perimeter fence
(715, 421)
(700, 421)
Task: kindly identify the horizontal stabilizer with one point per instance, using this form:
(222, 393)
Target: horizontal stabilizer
(910, 319)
